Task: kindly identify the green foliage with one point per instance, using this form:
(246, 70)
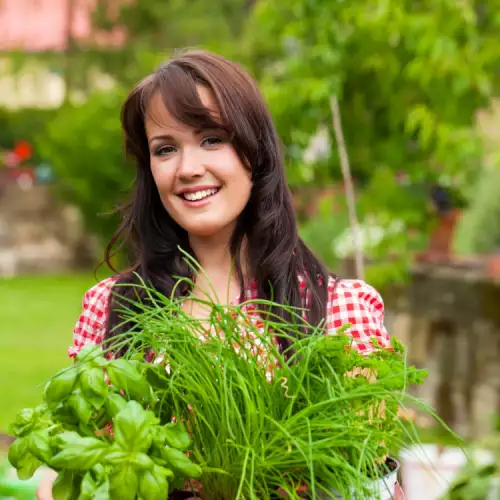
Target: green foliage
(409, 77)
(83, 143)
(157, 27)
(407, 98)
(304, 423)
(23, 124)
(259, 419)
(144, 457)
(320, 232)
(478, 230)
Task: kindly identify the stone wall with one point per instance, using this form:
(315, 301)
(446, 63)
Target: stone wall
(448, 318)
(39, 234)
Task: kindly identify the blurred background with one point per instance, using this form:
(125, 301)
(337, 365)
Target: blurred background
(417, 86)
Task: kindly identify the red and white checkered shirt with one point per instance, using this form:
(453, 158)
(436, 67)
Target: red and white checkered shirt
(349, 301)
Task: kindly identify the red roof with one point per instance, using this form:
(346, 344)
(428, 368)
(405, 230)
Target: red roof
(40, 25)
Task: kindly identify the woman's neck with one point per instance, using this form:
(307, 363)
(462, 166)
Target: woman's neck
(218, 273)
(212, 253)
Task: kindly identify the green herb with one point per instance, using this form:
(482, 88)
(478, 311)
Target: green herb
(316, 422)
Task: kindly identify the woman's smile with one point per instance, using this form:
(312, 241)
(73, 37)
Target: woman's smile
(199, 196)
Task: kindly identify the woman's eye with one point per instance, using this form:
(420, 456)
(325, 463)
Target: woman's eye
(211, 141)
(164, 150)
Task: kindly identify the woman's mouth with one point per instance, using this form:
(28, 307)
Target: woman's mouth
(199, 197)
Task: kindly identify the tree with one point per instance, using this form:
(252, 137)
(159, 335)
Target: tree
(409, 77)
(154, 28)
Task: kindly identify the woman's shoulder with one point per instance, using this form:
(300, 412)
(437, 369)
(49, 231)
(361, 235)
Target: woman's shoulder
(91, 324)
(360, 305)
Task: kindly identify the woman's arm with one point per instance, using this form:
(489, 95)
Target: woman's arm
(356, 303)
(44, 490)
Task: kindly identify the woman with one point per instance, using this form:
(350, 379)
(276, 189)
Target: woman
(210, 179)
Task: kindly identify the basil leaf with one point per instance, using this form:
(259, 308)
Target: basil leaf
(17, 450)
(124, 483)
(176, 435)
(132, 427)
(60, 386)
(92, 354)
(94, 387)
(23, 422)
(125, 376)
(181, 463)
(39, 445)
(113, 404)
(65, 415)
(102, 491)
(156, 375)
(78, 452)
(75, 459)
(87, 487)
(27, 466)
(153, 485)
(80, 407)
(115, 455)
(141, 461)
(65, 485)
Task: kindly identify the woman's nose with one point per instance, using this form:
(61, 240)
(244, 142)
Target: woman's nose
(190, 165)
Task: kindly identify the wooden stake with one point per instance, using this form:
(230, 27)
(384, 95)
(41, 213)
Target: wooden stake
(349, 188)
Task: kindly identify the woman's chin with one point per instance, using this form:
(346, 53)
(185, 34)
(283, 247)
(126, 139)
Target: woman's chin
(206, 230)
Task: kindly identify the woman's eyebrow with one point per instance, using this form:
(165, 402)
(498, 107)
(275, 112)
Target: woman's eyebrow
(162, 137)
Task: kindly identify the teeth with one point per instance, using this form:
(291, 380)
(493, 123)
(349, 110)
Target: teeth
(199, 195)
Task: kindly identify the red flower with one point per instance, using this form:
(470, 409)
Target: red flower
(23, 150)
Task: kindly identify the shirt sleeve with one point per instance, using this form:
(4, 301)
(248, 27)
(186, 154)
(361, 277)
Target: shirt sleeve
(356, 303)
(91, 325)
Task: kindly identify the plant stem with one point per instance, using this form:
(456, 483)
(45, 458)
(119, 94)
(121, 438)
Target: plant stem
(349, 188)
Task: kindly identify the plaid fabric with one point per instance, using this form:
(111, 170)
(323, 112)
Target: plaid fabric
(349, 301)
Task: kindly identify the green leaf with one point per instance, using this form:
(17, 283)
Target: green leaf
(65, 485)
(87, 487)
(113, 404)
(153, 484)
(60, 386)
(27, 466)
(141, 461)
(102, 491)
(93, 386)
(181, 463)
(39, 445)
(156, 375)
(92, 354)
(125, 376)
(17, 450)
(23, 422)
(133, 427)
(124, 483)
(77, 452)
(176, 435)
(80, 407)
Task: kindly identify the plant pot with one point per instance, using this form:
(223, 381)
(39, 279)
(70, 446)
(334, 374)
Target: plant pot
(383, 488)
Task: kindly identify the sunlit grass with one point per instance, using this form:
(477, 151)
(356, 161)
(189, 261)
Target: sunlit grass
(37, 317)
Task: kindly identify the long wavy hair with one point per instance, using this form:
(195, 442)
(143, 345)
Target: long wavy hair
(275, 253)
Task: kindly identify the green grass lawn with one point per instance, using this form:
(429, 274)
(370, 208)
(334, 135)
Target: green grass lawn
(37, 316)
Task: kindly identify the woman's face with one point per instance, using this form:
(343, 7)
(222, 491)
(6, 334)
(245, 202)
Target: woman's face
(201, 180)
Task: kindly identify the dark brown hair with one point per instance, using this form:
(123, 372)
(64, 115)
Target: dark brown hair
(276, 254)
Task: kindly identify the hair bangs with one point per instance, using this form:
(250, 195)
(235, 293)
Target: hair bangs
(179, 91)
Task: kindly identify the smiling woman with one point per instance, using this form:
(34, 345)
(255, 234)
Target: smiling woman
(202, 182)
(210, 184)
